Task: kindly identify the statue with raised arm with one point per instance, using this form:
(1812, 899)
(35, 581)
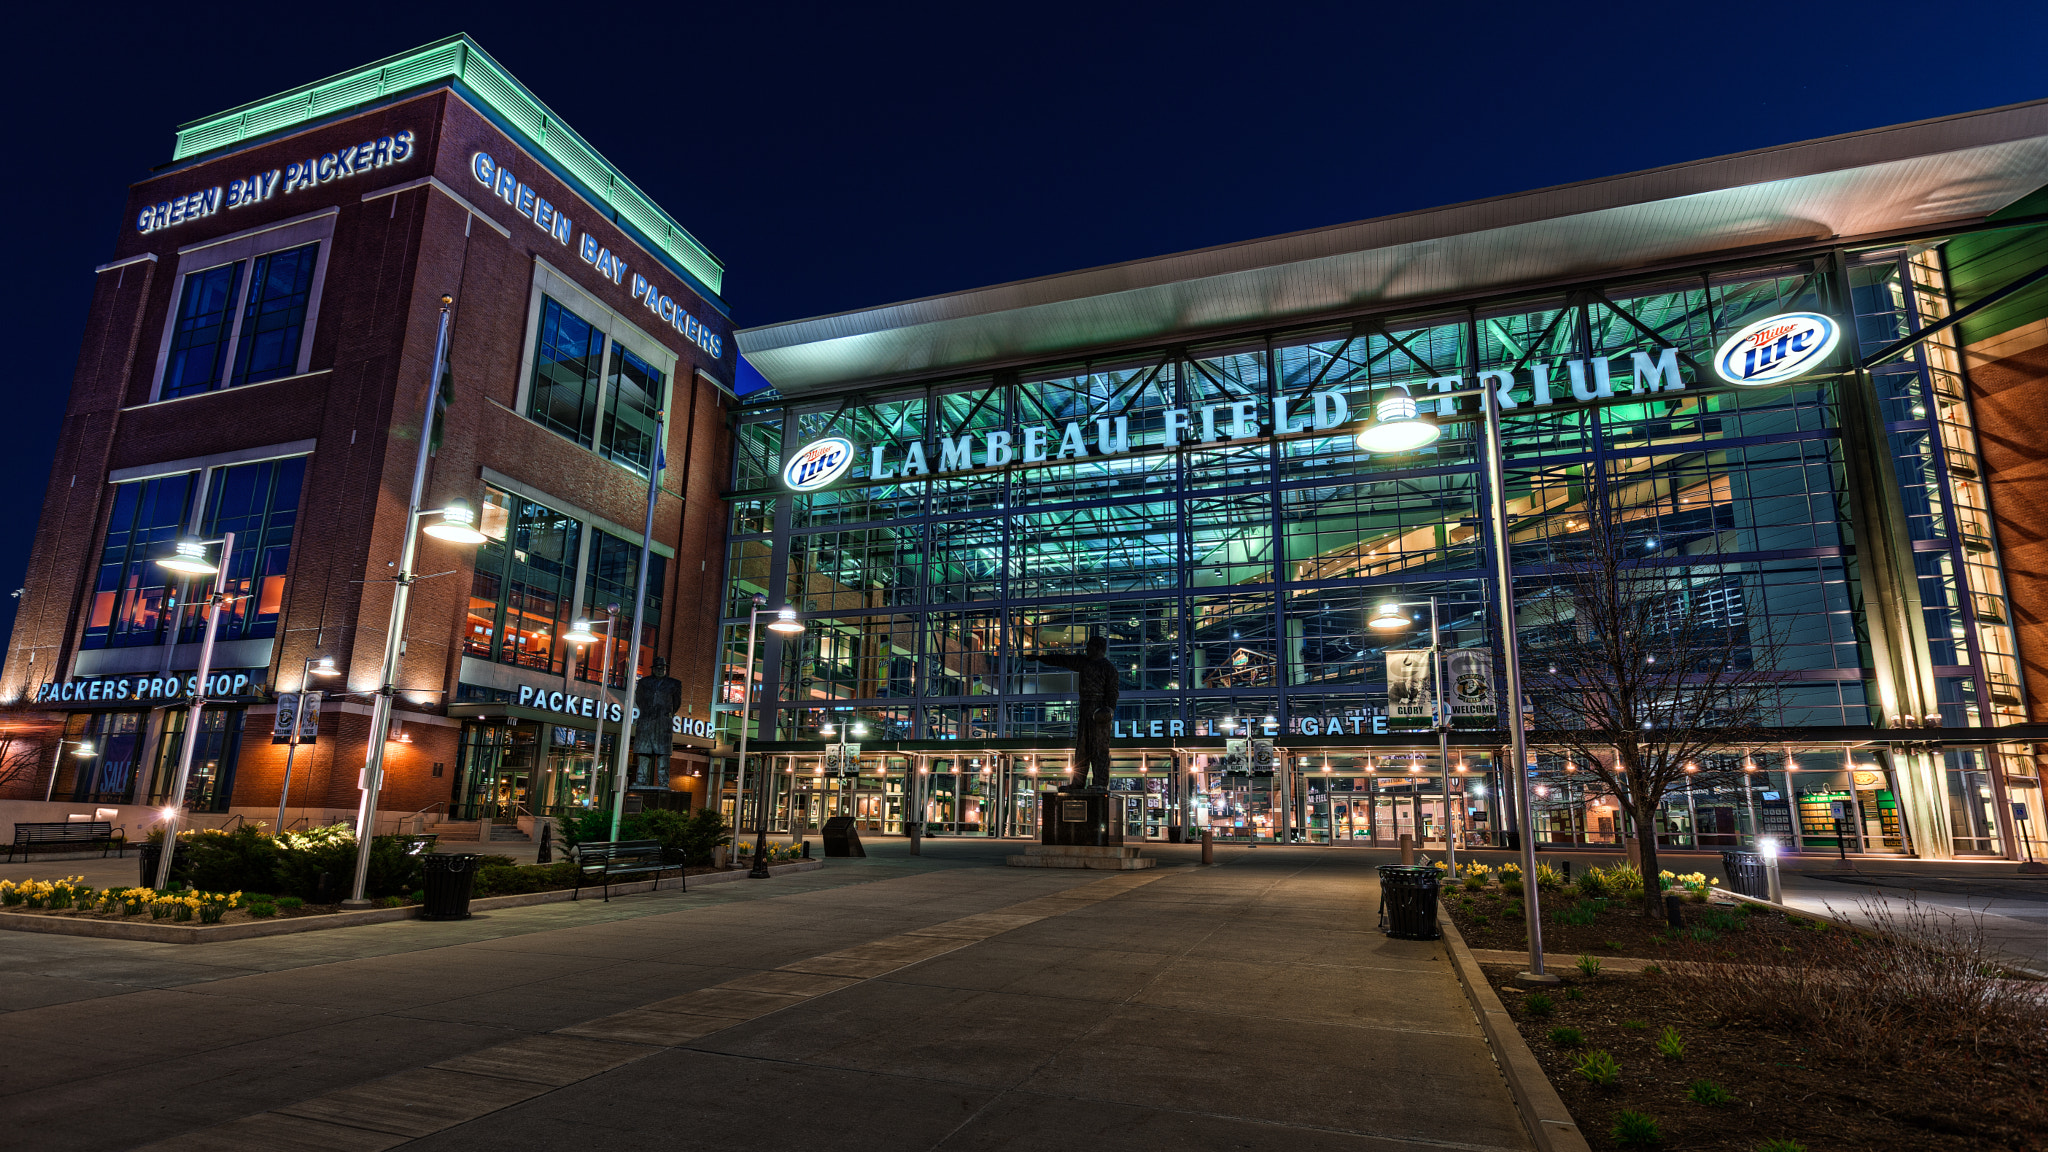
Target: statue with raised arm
(1095, 676)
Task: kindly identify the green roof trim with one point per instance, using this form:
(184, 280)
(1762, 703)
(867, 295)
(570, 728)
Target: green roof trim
(460, 59)
(1980, 263)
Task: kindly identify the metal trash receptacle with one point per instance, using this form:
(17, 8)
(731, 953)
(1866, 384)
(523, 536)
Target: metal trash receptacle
(1408, 901)
(450, 878)
(1747, 875)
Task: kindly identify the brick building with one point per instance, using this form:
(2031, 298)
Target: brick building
(257, 361)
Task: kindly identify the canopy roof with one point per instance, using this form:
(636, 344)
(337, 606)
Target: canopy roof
(1908, 178)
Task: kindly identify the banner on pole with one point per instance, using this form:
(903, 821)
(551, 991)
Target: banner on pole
(286, 723)
(1411, 690)
(1469, 671)
(309, 717)
(1237, 755)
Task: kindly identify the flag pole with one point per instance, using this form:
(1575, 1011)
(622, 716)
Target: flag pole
(639, 606)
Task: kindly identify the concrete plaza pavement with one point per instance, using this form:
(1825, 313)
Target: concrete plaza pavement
(895, 1002)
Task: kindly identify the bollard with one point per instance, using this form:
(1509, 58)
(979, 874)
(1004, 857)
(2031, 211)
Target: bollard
(1208, 846)
(1674, 910)
(1771, 873)
(916, 838)
(1407, 849)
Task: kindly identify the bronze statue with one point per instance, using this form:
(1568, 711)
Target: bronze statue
(1096, 678)
(656, 700)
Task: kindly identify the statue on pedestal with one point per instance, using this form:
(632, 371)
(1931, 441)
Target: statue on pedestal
(657, 698)
(1096, 679)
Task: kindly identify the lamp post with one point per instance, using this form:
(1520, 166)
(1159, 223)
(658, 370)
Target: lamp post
(626, 725)
(579, 634)
(314, 666)
(787, 624)
(190, 559)
(85, 748)
(457, 526)
(1398, 426)
(1388, 617)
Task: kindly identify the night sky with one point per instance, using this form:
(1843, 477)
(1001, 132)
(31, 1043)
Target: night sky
(840, 156)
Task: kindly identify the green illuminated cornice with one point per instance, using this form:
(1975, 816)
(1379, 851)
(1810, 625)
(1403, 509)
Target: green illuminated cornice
(459, 58)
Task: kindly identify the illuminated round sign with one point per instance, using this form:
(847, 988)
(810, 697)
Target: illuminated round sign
(818, 463)
(1776, 349)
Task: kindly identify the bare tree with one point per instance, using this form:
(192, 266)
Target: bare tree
(23, 748)
(1639, 666)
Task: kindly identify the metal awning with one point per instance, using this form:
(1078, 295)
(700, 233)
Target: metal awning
(1909, 178)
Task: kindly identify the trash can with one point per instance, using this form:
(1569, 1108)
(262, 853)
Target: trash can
(1408, 901)
(450, 876)
(1747, 874)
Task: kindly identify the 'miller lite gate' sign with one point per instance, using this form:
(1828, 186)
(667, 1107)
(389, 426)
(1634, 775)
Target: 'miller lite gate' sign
(1769, 351)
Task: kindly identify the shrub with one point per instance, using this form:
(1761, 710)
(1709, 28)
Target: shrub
(242, 860)
(262, 910)
(1780, 1144)
(687, 838)
(1512, 886)
(1481, 921)
(1567, 1037)
(1721, 921)
(1581, 915)
(389, 901)
(1572, 992)
(302, 858)
(1598, 1067)
(290, 903)
(1634, 1130)
(512, 880)
(1591, 884)
(1702, 934)
(1623, 880)
(1474, 883)
(1539, 1004)
(1589, 965)
(1670, 1045)
(1548, 878)
(1709, 1093)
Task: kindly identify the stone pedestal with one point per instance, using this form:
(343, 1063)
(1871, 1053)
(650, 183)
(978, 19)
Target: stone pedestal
(1119, 858)
(1082, 830)
(1092, 819)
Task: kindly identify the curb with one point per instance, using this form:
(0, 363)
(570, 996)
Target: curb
(151, 932)
(1550, 1125)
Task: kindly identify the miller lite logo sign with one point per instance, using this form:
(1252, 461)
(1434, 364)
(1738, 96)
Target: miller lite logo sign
(818, 463)
(1776, 349)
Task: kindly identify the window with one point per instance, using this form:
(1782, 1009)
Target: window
(613, 575)
(523, 594)
(134, 601)
(632, 405)
(525, 576)
(128, 604)
(273, 320)
(595, 379)
(259, 307)
(565, 365)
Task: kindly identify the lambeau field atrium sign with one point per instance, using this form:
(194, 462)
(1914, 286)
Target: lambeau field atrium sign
(1773, 350)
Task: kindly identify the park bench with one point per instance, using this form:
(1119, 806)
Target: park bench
(87, 833)
(602, 860)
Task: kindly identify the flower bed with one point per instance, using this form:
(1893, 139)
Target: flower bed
(1606, 918)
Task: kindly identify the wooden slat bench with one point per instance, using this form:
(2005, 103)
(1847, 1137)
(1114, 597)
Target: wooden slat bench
(92, 833)
(603, 860)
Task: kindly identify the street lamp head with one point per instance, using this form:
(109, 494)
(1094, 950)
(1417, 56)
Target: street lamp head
(786, 622)
(85, 748)
(190, 559)
(826, 729)
(859, 729)
(457, 526)
(324, 666)
(580, 633)
(1399, 427)
(1388, 617)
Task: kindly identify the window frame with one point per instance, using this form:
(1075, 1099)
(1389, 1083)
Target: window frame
(243, 248)
(550, 282)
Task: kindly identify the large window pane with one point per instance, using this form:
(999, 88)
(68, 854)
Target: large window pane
(274, 320)
(200, 337)
(565, 374)
(128, 606)
(631, 406)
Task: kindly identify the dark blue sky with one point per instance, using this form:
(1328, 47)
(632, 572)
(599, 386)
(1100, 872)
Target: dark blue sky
(837, 156)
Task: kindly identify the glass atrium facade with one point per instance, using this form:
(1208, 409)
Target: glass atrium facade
(1232, 573)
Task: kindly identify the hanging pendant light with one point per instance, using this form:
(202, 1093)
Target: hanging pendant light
(1399, 426)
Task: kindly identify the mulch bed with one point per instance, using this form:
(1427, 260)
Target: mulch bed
(1783, 1087)
(1490, 918)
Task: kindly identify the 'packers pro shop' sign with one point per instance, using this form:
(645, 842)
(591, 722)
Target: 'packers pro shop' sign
(240, 685)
